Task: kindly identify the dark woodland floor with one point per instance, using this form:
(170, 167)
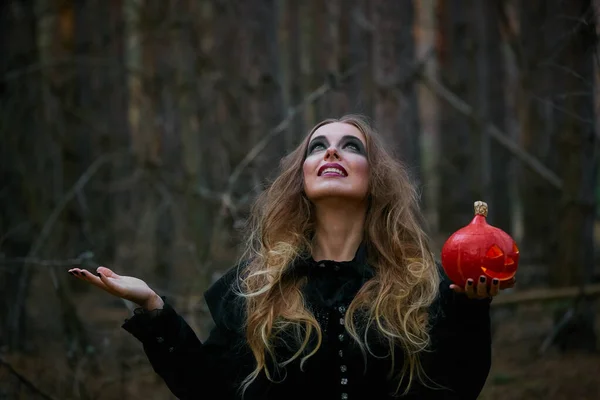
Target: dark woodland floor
(121, 370)
(520, 372)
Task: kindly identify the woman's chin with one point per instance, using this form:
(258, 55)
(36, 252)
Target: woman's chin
(335, 194)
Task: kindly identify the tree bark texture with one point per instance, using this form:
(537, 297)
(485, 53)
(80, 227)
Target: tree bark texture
(395, 111)
(456, 167)
(538, 134)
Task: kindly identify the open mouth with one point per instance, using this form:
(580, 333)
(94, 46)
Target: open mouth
(332, 170)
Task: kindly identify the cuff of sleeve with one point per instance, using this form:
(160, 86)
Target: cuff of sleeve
(462, 299)
(471, 308)
(152, 326)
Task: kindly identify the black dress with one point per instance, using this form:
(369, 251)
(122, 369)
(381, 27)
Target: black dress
(460, 360)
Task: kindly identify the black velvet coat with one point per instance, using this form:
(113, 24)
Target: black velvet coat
(460, 357)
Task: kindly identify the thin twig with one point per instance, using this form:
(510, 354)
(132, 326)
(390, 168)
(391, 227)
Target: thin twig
(567, 317)
(79, 185)
(14, 320)
(41, 262)
(502, 138)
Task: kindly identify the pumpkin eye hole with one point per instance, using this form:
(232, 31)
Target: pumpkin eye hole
(509, 261)
(494, 252)
(515, 248)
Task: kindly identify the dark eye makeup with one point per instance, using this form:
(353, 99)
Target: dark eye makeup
(317, 144)
(348, 142)
(354, 144)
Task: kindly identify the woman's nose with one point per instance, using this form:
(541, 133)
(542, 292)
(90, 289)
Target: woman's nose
(332, 153)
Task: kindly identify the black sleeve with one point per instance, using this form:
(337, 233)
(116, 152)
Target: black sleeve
(461, 343)
(192, 369)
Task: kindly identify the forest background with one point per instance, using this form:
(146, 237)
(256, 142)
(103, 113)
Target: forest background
(136, 133)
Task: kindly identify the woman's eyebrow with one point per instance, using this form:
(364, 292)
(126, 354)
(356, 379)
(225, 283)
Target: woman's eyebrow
(342, 139)
(346, 137)
(320, 137)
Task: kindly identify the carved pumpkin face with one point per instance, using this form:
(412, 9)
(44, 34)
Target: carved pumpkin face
(498, 264)
(480, 249)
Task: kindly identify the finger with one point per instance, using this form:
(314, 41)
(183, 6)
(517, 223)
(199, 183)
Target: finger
(457, 288)
(78, 273)
(87, 276)
(109, 282)
(482, 290)
(469, 288)
(81, 273)
(495, 288)
(109, 273)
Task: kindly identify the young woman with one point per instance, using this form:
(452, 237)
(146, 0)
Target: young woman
(337, 295)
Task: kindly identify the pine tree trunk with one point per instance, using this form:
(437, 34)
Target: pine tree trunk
(359, 51)
(396, 113)
(537, 130)
(456, 167)
(262, 97)
(577, 150)
(24, 188)
(494, 178)
(291, 69)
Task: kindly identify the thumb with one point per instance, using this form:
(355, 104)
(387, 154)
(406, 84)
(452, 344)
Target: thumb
(105, 274)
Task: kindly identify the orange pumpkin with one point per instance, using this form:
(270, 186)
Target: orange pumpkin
(480, 249)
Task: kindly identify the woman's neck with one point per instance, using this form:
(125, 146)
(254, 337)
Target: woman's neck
(339, 231)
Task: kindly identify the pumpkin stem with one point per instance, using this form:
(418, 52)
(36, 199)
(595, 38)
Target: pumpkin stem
(481, 208)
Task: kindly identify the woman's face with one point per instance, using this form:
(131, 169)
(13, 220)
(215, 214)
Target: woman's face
(336, 163)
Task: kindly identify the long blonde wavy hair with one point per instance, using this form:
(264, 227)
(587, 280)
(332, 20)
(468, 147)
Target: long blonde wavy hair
(394, 302)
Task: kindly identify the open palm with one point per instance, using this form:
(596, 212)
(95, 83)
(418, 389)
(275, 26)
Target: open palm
(126, 287)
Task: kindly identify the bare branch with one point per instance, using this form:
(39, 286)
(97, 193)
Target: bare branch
(81, 182)
(546, 294)
(283, 125)
(502, 138)
(40, 262)
(45, 232)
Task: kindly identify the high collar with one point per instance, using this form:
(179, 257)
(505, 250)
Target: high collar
(357, 265)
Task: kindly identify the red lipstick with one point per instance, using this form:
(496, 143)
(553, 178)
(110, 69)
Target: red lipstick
(335, 166)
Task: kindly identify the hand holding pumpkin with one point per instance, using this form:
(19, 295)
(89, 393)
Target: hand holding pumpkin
(482, 290)
(480, 259)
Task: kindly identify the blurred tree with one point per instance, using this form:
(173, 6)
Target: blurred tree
(289, 45)
(324, 49)
(23, 174)
(144, 26)
(395, 110)
(61, 151)
(577, 144)
(262, 96)
(557, 56)
(494, 178)
(536, 114)
(456, 164)
(358, 30)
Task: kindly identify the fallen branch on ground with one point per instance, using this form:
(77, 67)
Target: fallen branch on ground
(24, 380)
(546, 294)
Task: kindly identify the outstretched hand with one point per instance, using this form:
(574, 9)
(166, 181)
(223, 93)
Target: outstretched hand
(481, 291)
(125, 287)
